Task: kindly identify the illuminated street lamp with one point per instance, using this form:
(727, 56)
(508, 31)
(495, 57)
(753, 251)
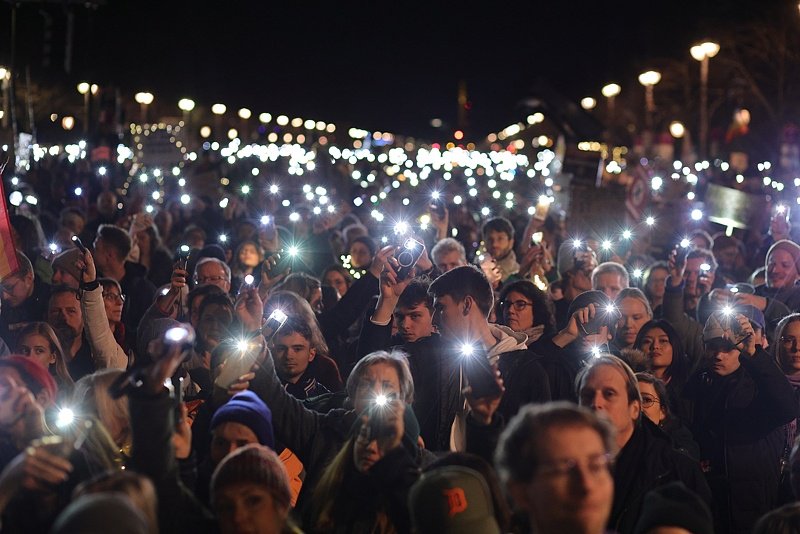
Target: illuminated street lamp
(649, 79)
(677, 129)
(588, 103)
(703, 52)
(610, 91)
(186, 104)
(218, 110)
(144, 100)
(245, 113)
(87, 90)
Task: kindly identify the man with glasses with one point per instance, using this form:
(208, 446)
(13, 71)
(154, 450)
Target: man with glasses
(211, 271)
(24, 299)
(646, 459)
(555, 462)
(111, 249)
(741, 402)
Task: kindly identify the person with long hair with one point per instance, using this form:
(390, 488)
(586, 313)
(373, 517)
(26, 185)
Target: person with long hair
(246, 260)
(365, 488)
(39, 342)
(656, 407)
(661, 346)
(338, 278)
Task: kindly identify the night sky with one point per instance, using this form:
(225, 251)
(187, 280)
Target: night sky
(381, 65)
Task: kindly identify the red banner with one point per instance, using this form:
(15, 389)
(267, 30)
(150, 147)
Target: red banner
(8, 253)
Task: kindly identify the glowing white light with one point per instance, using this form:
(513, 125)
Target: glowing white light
(697, 214)
(685, 243)
(650, 221)
(65, 417)
(637, 273)
(245, 189)
(273, 189)
(242, 345)
(606, 245)
(467, 349)
(78, 191)
(185, 199)
(293, 250)
(381, 400)
(248, 279)
(627, 234)
(294, 216)
(223, 238)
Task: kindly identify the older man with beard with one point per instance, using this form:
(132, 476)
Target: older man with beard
(64, 314)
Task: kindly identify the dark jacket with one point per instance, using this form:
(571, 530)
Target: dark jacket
(738, 424)
(315, 438)
(436, 380)
(436, 369)
(646, 462)
(153, 456)
(334, 323)
(562, 366)
(139, 294)
(384, 488)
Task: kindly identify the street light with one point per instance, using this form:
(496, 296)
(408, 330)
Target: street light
(245, 113)
(649, 79)
(186, 104)
(218, 109)
(677, 129)
(610, 91)
(144, 100)
(703, 52)
(87, 90)
(588, 103)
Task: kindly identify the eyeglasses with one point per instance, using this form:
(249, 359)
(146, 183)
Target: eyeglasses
(210, 279)
(596, 466)
(789, 340)
(113, 297)
(518, 305)
(649, 400)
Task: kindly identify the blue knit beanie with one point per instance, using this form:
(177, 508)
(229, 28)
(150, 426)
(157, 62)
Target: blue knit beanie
(247, 409)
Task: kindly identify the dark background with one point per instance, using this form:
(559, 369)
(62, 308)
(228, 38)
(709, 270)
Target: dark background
(380, 65)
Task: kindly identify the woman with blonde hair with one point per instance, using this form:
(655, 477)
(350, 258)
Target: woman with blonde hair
(92, 398)
(39, 342)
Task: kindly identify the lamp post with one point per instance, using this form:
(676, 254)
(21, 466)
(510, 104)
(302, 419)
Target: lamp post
(218, 110)
(702, 53)
(649, 79)
(87, 90)
(144, 100)
(186, 105)
(610, 91)
(245, 114)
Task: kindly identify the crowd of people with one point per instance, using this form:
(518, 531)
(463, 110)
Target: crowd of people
(223, 368)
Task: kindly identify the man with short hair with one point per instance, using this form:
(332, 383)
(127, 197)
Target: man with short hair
(646, 458)
(214, 272)
(448, 254)
(610, 278)
(111, 249)
(498, 237)
(293, 353)
(414, 312)
(24, 299)
(555, 462)
(65, 315)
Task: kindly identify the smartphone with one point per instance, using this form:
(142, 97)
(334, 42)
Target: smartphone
(329, 297)
(274, 323)
(178, 398)
(79, 243)
(180, 335)
(408, 255)
(747, 289)
(284, 262)
(541, 210)
(480, 374)
(238, 363)
(604, 316)
(782, 210)
(184, 251)
(536, 238)
(437, 206)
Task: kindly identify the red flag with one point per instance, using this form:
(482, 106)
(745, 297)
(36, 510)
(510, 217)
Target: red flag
(8, 253)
